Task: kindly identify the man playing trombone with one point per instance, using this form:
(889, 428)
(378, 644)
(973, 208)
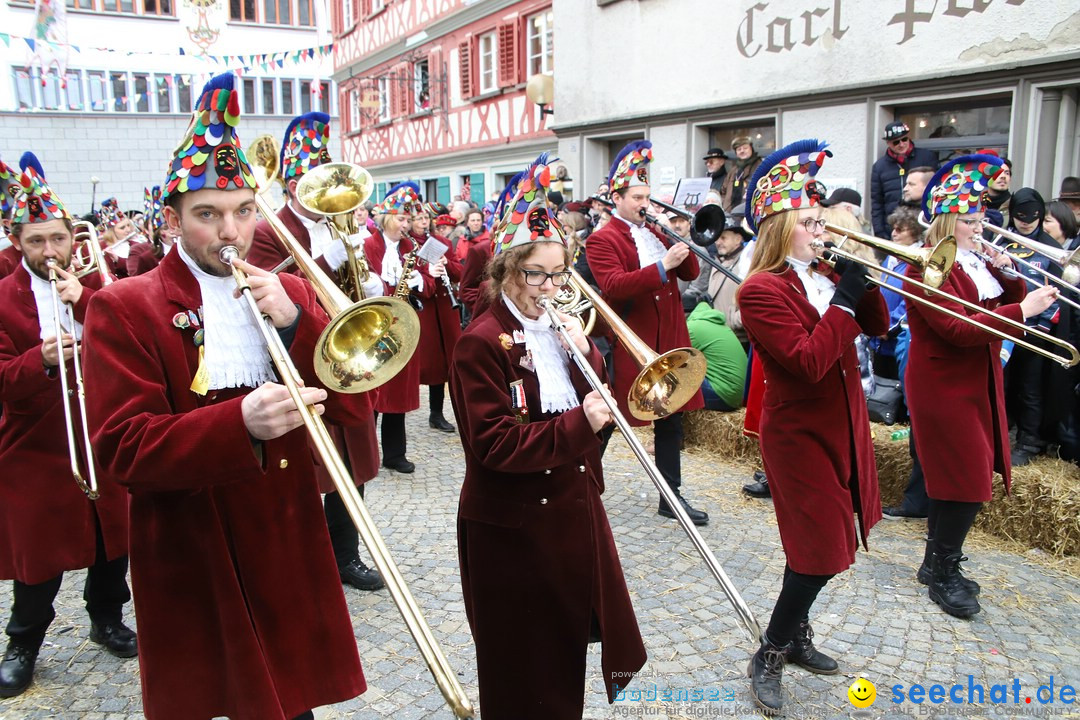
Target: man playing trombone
(304, 148)
(48, 523)
(638, 274)
(240, 608)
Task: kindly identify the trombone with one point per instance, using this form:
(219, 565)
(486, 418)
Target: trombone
(343, 483)
(1067, 259)
(664, 385)
(86, 240)
(935, 263)
(88, 484)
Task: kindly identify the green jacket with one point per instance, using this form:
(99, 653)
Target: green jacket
(723, 352)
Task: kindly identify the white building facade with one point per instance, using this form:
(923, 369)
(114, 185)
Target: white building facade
(112, 99)
(693, 74)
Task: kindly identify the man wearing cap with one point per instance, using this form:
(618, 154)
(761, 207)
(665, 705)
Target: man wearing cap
(747, 161)
(1070, 194)
(48, 524)
(716, 168)
(306, 147)
(240, 607)
(889, 173)
(638, 273)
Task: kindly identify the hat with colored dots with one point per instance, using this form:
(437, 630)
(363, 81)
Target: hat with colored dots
(958, 185)
(785, 181)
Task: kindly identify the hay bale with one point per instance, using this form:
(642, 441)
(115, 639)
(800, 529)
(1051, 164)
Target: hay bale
(1042, 512)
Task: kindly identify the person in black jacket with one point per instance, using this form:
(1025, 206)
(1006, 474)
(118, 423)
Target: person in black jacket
(716, 167)
(888, 174)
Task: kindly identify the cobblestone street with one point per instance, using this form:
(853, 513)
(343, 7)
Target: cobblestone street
(875, 619)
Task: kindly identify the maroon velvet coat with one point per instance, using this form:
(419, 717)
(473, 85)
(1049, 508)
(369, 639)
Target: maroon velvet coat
(473, 287)
(142, 258)
(651, 307)
(237, 595)
(814, 430)
(10, 258)
(954, 390)
(538, 560)
(402, 393)
(440, 322)
(47, 524)
(360, 441)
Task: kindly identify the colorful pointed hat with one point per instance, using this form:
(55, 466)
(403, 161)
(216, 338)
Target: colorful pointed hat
(29, 160)
(211, 155)
(785, 181)
(157, 218)
(631, 166)
(110, 213)
(36, 201)
(9, 187)
(402, 199)
(306, 144)
(958, 185)
(148, 202)
(527, 216)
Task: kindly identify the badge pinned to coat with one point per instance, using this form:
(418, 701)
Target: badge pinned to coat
(517, 402)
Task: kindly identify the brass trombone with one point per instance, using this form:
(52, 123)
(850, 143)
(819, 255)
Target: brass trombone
(88, 484)
(1067, 259)
(665, 384)
(936, 270)
(86, 254)
(343, 483)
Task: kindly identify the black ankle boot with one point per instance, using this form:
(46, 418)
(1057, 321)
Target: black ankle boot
(766, 670)
(947, 588)
(923, 575)
(805, 655)
(16, 670)
(436, 421)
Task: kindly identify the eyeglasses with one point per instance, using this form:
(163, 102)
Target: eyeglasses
(812, 224)
(973, 223)
(536, 278)
(899, 141)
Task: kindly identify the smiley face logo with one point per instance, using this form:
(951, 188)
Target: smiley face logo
(862, 693)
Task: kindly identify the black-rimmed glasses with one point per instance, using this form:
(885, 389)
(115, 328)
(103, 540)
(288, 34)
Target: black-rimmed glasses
(536, 278)
(812, 224)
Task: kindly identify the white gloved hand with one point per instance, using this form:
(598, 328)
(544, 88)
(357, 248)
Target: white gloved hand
(358, 239)
(373, 287)
(416, 280)
(335, 254)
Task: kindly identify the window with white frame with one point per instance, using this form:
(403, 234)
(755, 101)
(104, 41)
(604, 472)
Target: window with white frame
(486, 47)
(99, 94)
(421, 86)
(384, 98)
(377, 5)
(541, 48)
(346, 15)
(286, 97)
(354, 110)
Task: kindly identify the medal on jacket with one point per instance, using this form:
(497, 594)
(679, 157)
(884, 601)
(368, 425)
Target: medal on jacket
(517, 402)
(526, 361)
(201, 382)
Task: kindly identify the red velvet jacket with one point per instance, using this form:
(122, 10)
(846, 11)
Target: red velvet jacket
(10, 258)
(46, 521)
(237, 595)
(538, 560)
(474, 282)
(359, 441)
(814, 428)
(955, 390)
(402, 393)
(649, 305)
(142, 259)
(440, 322)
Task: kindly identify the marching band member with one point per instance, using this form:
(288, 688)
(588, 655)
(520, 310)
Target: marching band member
(638, 271)
(474, 278)
(119, 236)
(387, 252)
(239, 605)
(9, 186)
(539, 568)
(440, 322)
(47, 523)
(144, 257)
(304, 148)
(815, 433)
(954, 378)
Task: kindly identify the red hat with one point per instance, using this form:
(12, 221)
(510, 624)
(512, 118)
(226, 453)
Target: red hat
(445, 220)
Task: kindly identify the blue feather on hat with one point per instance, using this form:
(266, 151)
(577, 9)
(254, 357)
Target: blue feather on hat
(400, 186)
(636, 145)
(29, 160)
(224, 81)
(798, 147)
(319, 117)
(946, 169)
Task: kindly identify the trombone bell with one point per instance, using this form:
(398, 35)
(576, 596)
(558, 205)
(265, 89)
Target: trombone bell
(367, 344)
(934, 263)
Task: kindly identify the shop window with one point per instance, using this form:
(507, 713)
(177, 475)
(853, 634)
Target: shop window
(954, 128)
(762, 136)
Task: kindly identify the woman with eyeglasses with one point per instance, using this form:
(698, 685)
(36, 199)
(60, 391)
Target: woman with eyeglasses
(814, 430)
(954, 378)
(539, 569)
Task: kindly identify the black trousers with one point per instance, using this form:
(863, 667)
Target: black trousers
(797, 596)
(948, 524)
(915, 498)
(344, 537)
(393, 437)
(105, 592)
(667, 439)
(436, 395)
(1027, 374)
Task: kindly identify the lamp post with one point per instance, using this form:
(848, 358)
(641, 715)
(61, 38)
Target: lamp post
(540, 89)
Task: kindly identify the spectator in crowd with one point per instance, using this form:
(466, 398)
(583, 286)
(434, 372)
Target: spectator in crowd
(733, 192)
(917, 178)
(1060, 411)
(850, 201)
(725, 358)
(475, 233)
(1070, 195)
(718, 289)
(997, 195)
(716, 167)
(889, 173)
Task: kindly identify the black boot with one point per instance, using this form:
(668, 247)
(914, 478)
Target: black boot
(698, 517)
(360, 576)
(16, 670)
(766, 669)
(117, 638)
(760, 487)
(436, 421)
(923, 576)
(803, 653)
(947, 588)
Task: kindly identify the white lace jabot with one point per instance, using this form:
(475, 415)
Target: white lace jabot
(550, 361)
